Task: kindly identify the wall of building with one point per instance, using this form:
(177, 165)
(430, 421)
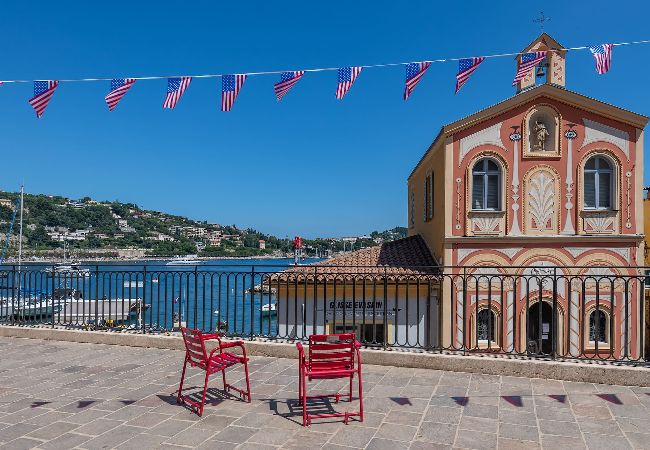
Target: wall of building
(432, 228)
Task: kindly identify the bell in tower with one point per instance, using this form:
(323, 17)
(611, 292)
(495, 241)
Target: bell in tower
(550, 70)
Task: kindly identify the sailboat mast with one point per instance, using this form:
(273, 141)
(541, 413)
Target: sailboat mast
(20, 235)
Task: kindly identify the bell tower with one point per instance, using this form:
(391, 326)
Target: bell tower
(550, 70)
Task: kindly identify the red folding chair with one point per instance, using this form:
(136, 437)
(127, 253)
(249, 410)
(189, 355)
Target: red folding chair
(330, 356)
(216, 361)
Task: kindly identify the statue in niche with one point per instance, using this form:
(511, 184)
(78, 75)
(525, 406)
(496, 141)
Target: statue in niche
(541, 135)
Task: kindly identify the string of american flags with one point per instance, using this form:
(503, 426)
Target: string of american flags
(232, 84)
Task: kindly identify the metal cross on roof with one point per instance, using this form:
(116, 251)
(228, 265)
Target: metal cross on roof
(541, 20)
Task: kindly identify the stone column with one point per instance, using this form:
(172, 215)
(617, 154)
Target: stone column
(570, 135)
(515, 137)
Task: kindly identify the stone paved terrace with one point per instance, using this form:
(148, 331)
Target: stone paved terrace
(70, 395)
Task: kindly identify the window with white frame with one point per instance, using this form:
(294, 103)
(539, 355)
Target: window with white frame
(598, 183)
(486, 185)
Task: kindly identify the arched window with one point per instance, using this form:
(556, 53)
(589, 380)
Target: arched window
(486, 326)
(598, 327)
(486, 185)
(598, 182)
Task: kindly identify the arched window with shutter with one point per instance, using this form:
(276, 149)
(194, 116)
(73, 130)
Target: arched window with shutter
(486, 185)
(598, 183)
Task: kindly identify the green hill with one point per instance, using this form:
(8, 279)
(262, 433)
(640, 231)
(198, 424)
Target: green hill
(92, 228)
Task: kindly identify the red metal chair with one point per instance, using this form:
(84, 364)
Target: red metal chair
(216, 361)
(330, 356)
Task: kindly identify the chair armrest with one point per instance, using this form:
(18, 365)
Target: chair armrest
(233, 344)
(210, 336)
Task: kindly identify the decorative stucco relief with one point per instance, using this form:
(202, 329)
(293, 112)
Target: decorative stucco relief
(509, 252)
(541, 213)
(578, 251)
(597, 222)
(490, 135)
(596, 131)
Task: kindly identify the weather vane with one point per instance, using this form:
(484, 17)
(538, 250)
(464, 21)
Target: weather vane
(541, 20)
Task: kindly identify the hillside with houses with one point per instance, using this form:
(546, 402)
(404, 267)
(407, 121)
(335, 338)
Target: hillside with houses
(102, 229)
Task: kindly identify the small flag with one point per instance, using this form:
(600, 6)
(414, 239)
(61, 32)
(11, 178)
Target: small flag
(414, 73)
(119, 86)
(603, 55)
(230, 87)
(287, 81)
(43, 92)
(466, 68)
(528, 61)
(347, 75)
(175, 89)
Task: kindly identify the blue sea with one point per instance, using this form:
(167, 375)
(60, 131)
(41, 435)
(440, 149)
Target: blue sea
(213, 294)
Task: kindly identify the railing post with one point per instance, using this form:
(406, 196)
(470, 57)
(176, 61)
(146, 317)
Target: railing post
(554, 323)
(143, 304)
(97, 296)
(252, 334)
(385, 308)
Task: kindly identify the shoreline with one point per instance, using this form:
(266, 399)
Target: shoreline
(42, 261)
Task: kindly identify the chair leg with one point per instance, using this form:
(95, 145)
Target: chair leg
(248, 384)
(223, 377)
(304, 402)
(350, 395)
(180, 387)
(205, 389)
(360, 396)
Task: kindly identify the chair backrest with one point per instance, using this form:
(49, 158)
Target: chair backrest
(332, 351)
(194, 346)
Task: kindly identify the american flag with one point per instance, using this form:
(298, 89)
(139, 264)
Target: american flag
(230, 87)
(414, 73)
(175, 89)
(119, 86)
(466, 68)
(43, 92)
(528, 61)
(287, 81)
(603, 55)
(347, 75)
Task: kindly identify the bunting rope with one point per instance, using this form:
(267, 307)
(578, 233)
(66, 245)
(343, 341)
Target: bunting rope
(322, 69)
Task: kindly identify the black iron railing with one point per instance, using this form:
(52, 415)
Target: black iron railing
(592, 313)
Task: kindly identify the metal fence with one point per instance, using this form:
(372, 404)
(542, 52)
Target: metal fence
(591, 313)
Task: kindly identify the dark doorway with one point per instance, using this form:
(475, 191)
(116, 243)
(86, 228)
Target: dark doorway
(540, 329)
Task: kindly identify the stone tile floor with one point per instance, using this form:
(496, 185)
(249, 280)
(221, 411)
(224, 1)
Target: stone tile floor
(67, 395)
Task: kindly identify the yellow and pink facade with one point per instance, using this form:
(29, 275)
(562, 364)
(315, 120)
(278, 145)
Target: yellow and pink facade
(546, 182)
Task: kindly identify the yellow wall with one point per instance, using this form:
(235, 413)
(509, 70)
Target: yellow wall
(432, 231)
(646, 231)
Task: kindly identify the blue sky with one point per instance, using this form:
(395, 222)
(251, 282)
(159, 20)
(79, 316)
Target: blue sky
(310, 165)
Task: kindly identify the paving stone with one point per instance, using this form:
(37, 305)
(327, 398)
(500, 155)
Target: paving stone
(353, 437)
(53, 430)
(604, 442)
(476, 440)
(191, 437)
(396, 432)
(66, 441)
(479, 424)
(386, 444)
(234, 434)
(23, 443)
(516, 444)
(639, 440)
(440, 433)
(569, 429)
(561, 442)
(523, 432)
(112, 439)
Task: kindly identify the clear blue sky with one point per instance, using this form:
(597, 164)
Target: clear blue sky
(310, 165)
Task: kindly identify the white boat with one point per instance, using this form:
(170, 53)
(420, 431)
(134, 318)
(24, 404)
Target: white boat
(269, 309)
(72, 270)
(190, 260)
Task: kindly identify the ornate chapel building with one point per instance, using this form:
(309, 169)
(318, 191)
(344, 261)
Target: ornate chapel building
(548, 181)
